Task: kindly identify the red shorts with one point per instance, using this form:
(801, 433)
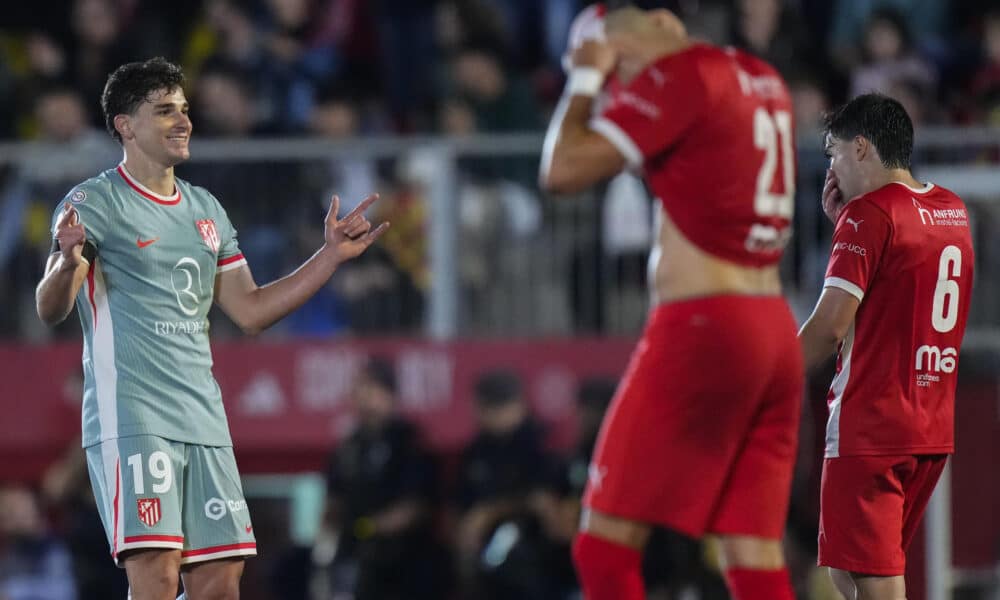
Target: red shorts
(870, 507)
(701, 435)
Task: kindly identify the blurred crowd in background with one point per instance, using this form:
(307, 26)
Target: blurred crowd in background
(349, 69)
(495, 521)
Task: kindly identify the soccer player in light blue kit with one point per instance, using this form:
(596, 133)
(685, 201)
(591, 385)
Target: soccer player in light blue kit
(142, 255)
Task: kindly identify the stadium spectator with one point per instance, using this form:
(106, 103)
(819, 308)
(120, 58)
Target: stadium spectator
(928, 20)
(503, 495)
(773, 31)
(716, 295)
(890, 58)
(186, 437)
(33, 563)
(381, 484)
(985, 86)
(69, 150)
(893, 309)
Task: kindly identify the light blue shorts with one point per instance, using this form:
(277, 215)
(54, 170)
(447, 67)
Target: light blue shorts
(156, 493)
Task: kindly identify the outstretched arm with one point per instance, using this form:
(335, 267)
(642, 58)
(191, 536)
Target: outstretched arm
(65, 270)
(256, 308)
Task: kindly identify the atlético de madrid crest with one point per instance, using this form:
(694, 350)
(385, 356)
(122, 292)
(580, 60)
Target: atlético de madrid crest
(206, 227)
(149, 511)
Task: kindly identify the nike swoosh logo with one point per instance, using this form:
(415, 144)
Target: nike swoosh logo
(143, 243)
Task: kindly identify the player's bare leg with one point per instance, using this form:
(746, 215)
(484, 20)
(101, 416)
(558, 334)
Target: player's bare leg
(608, 556)
(626, 532)
(153, 574)
(845, 584)
(748, 552)
(872, 587)
(213, 580)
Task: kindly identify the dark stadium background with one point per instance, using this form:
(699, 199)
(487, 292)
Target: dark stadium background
(483, 283)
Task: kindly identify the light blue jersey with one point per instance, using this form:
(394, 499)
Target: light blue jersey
(144, 309)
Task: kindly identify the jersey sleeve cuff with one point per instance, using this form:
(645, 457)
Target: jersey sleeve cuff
(231, 262)
(845, 285)
(619, 139)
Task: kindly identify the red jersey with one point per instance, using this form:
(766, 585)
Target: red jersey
(907, 255)
(712, 131)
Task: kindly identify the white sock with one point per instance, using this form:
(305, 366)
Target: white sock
(182, 597)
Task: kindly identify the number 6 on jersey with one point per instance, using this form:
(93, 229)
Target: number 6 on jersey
(944, 313)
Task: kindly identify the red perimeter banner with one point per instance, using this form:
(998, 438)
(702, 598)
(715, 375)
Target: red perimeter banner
(288, 403)
(288, 406)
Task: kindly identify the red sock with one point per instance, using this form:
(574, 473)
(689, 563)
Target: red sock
(752, 584)
(607, 571)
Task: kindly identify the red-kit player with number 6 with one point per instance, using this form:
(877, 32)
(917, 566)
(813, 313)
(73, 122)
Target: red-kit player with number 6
(701, 436)
(894, 305)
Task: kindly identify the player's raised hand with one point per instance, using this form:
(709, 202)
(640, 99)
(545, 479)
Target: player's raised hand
(595, 54)
(350, 236)
(71, 235)
(833, 199)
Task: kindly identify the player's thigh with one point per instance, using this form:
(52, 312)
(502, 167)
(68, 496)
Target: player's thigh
(217, 521)
(879, 588)
(754, 501)
(918, 488)
(861, 514)
(138, 491)
(676, 422)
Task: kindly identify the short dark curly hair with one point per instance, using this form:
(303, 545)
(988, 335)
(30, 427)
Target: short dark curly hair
(131, 84)
(880, 119)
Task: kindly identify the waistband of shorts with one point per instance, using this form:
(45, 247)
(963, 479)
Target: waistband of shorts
(722, 302)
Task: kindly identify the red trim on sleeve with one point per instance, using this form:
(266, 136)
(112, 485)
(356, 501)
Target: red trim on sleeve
(228, 261)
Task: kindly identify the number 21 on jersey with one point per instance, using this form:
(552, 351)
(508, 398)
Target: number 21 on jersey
(769, 132)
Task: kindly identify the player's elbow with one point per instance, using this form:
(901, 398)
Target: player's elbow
(50, 317)
(561, 178)
(251, 328)
(48, 312)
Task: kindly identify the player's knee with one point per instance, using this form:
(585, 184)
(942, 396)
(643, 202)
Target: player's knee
(214, 581)
(153, 574)
(220, 588)
(748, 552)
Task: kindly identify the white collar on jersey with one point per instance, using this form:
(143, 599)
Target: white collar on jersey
(927, 187)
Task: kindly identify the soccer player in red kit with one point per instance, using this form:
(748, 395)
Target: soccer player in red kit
(894, 305)
(701, 435)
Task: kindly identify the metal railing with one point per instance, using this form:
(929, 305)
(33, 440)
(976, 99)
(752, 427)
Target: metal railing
(547, 268)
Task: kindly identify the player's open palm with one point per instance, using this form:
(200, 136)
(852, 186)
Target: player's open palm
(350, 236)
(70, 234)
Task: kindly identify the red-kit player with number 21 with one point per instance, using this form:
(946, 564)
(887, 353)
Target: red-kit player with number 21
(893, 307)
(701, 435)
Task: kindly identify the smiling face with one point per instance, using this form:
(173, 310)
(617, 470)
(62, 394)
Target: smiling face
(160, 128)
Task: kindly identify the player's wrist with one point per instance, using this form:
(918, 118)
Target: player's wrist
(584, 81)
